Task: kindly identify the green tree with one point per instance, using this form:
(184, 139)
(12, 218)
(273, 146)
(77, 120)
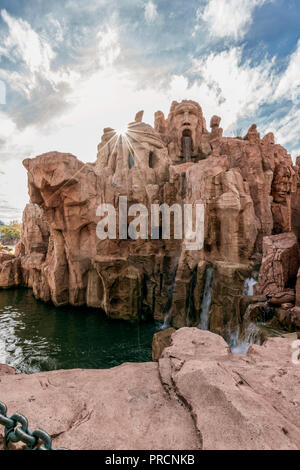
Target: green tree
(10, 233)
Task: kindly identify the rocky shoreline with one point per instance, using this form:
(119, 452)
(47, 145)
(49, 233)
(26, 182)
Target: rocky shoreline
(197, 396)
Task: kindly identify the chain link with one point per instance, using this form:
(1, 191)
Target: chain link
(16, 430)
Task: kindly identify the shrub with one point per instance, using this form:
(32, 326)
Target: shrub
(10, 233)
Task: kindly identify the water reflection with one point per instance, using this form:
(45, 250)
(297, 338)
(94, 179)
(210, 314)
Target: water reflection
(38, 337)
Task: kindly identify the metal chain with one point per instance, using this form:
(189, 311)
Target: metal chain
(16, 430)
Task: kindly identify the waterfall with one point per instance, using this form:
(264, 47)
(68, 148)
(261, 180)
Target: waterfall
(249, 286)
(240, 343)
(167, 320)
(206, 301)
(241, 338)
(168, 315)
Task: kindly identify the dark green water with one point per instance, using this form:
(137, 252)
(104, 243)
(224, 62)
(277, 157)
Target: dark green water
(38, 337)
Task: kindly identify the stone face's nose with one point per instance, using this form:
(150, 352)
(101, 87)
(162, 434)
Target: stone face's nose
(186, 119)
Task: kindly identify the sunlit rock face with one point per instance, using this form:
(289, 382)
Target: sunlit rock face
(248, 187)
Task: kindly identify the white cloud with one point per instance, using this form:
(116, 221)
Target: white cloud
(2, 92)
(232, 88)
(7, 126)
(289, 85)
(24, 44)
(151, 13)
(229, 18)
(109, 46)
(53, 30)
(287, 130)
(33, 55)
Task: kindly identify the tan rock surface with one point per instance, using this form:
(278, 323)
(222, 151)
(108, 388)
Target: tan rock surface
(280, 264)
(199, 396)
(10, 272)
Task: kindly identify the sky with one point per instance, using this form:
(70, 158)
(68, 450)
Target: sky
(69, 69)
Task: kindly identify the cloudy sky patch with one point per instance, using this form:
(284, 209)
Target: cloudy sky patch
(69, 69)
(151, 13)
(229, 18)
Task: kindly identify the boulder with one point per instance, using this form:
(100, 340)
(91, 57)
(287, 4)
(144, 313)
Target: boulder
(280, 265)
(10, 271)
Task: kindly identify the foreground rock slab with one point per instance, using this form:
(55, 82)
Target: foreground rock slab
(199, 396)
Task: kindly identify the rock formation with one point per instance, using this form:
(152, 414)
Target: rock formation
(198, 396)
(280, 264)
(249, 189)
(278, 276)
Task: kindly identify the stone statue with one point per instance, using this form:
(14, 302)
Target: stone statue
(281, 192)
(184, 131)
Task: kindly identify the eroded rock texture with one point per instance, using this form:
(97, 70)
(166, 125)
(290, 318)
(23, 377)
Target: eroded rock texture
(280, 264)
(248, 188)
(278, 277)
(198, 396)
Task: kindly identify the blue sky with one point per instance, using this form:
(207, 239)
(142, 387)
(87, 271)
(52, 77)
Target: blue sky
(69, 69)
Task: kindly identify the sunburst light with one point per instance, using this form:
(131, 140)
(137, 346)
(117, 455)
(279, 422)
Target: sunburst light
(121, 130)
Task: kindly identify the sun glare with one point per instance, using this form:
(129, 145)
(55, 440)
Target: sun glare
(122, 130)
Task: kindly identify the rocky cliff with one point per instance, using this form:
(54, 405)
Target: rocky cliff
(198, 396)
(249, 188)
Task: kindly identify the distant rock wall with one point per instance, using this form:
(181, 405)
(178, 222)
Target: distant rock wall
(249, 188)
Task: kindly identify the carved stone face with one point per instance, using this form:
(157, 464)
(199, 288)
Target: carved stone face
(186, 117)
(282, 184)
(282, 190)
(186, 123)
